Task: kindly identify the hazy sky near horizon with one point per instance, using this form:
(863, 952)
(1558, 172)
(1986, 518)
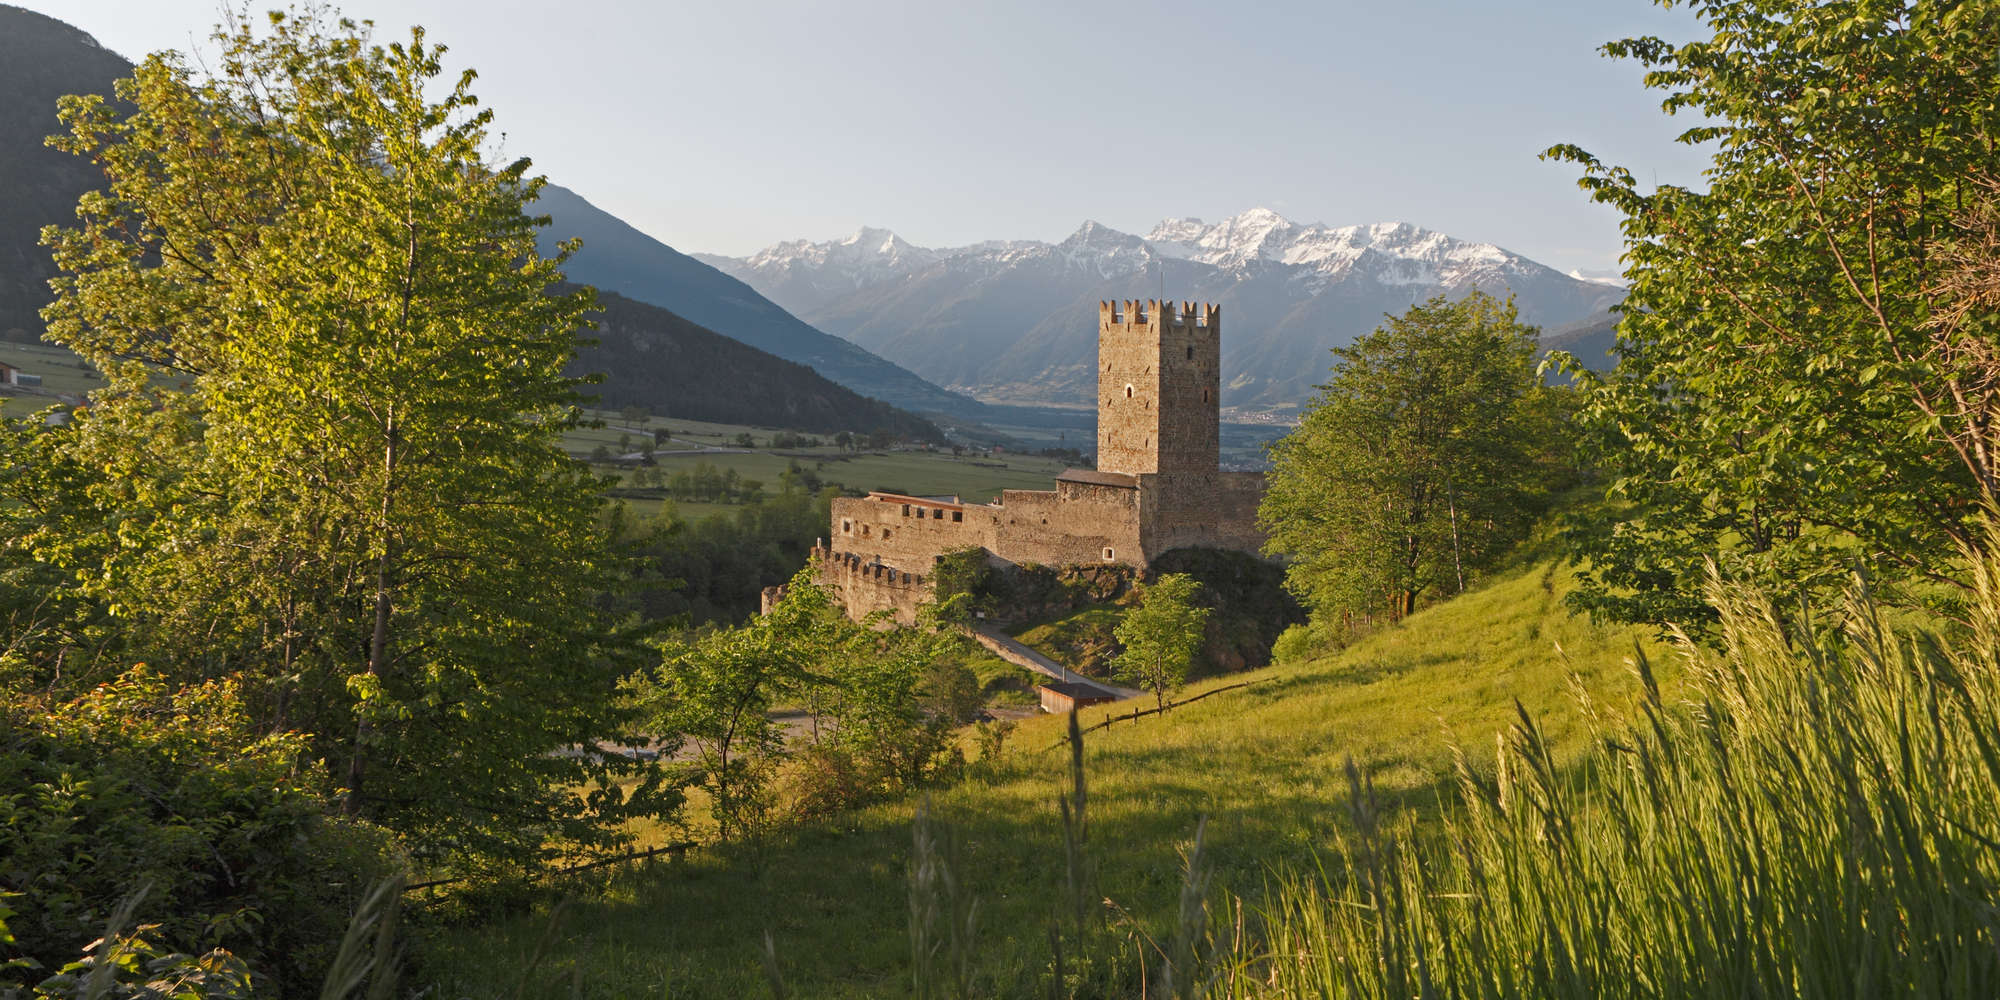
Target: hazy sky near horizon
(726, 126)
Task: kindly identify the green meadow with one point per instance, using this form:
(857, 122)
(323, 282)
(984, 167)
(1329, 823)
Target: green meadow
(1264, 764)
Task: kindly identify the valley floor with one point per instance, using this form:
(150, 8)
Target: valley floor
(1265, 765)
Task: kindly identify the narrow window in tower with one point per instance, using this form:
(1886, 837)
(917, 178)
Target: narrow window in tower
(1128, 390)
(1110, 554)
(1204, 395)
(1190, 354)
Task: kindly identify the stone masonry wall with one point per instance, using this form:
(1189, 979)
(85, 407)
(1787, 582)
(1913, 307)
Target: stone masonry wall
(1076, 524)
(907, 532)
(864, 588)
(1159, 382)
(1216, 510)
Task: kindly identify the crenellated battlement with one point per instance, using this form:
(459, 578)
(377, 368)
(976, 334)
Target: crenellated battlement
(1151, 314)
(865, 586)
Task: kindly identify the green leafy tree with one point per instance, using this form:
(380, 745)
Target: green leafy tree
(1808, 377)
(1419, 463)
(714, 691)
(329, 457)
(1162, 635)
(961, 581)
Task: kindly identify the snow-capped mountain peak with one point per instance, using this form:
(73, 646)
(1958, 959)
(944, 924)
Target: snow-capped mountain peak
(1015, 320)
(1609, 276)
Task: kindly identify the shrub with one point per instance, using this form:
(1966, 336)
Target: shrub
(1297, 644)
(139, 783)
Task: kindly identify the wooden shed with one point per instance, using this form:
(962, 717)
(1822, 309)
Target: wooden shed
(1062, 696)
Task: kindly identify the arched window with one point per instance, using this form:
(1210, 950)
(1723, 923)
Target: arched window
(1128, 390)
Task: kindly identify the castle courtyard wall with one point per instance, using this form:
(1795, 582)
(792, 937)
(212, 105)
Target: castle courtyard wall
(1074, 524)
(908, 533)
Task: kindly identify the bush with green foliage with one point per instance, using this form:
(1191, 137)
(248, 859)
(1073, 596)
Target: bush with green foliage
(1162, 635)
(142, 783)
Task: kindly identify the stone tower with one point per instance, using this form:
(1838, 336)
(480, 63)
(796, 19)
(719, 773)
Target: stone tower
(1159, 387)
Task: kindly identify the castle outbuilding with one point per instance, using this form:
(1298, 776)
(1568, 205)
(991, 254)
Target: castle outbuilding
(1158, 485)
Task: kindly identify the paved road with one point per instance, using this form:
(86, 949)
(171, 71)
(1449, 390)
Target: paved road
(1018, 653)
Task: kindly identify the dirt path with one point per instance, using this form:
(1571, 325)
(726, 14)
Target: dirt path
(1020, 654)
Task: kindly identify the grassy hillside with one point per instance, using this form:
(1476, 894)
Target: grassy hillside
(1264, 764)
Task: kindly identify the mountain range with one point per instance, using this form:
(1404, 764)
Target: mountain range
(619, 258)
(1016, 320)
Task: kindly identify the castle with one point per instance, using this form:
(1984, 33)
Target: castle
(1158, 484)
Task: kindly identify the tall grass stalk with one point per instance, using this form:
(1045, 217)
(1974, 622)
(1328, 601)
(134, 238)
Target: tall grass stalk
(1821, 818)
(944, 917)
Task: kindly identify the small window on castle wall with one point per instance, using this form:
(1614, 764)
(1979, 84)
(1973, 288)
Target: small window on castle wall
(1110, 554)
(1190, 354)
(847, 527)
(885, 534)
(864, 531)
(957, 516)
(1204, 395)
(1128, 391)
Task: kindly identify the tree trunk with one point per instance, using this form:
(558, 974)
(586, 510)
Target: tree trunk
(378, 640)
(1457, 563)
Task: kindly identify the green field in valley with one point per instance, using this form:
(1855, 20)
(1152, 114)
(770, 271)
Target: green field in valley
(63, 374)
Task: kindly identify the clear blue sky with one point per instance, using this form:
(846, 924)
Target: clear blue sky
(727, 125)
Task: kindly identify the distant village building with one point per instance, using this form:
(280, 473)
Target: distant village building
(1158, 484)
(12, 376)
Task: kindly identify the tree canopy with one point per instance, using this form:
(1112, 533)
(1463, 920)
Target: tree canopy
(1162, 635)
(328, 459)
(1432, 448)
(1807, 378)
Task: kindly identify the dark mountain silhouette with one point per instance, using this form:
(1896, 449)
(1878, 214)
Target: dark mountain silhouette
(680, 369)
(619, 258)
(41, 59)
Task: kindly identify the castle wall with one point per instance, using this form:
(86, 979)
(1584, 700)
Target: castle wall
(1075, 523)
(908, 533)
(864, 588)
(1213, 510)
